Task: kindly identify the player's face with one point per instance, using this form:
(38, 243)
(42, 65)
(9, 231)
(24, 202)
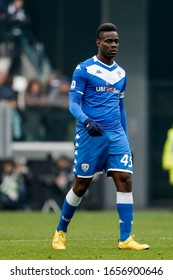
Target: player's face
(108, 44)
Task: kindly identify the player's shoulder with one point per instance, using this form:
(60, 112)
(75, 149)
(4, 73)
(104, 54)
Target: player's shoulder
(120, 69)
(84, 64)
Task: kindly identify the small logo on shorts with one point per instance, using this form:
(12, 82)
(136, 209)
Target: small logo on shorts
(85, 167)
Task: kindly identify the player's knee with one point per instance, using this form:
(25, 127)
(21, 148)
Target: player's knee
(124, 182)
(80, 186)
(79, 190)
(125, 177)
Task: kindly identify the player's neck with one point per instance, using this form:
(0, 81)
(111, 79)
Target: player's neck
(105, 60)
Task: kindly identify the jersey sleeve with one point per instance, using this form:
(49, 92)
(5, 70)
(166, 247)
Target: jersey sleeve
(123, 88)
(76, 93)
(78, 80)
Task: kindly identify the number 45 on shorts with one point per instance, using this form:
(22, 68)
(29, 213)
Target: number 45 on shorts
(127, 160)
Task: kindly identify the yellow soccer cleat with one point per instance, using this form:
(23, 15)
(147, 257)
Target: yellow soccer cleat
(59, 240)
(131, 244)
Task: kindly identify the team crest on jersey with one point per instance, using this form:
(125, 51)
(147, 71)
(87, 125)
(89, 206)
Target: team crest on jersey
(85, 167)
(119, 74)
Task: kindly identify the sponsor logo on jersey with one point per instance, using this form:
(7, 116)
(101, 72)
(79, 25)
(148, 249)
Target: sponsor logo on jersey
(107, 88)
(85, 167)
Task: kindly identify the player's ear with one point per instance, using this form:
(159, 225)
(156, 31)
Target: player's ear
(98, 42)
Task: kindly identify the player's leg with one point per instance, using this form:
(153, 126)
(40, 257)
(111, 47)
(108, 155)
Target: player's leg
(88, 160)
(71, 202)
(123, 184)
(124, 202)
(120, 167)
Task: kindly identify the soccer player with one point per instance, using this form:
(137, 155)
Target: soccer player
(101, 139)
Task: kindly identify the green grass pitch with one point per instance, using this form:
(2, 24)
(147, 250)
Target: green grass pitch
(92, 235)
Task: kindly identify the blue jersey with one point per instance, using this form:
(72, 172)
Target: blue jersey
(96, 89)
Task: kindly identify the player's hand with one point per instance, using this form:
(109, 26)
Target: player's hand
(93, 128)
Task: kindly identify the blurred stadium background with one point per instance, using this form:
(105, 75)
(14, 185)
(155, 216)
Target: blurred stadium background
(59, 34)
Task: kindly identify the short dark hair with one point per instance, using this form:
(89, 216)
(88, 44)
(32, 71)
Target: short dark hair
(105, 27)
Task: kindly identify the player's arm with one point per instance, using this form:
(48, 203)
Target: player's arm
(75, 100)
(122, 107)
(123, 116)
(76, 94)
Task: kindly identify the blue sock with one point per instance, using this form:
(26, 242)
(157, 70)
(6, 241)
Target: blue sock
(125, 211)
(70, 204)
